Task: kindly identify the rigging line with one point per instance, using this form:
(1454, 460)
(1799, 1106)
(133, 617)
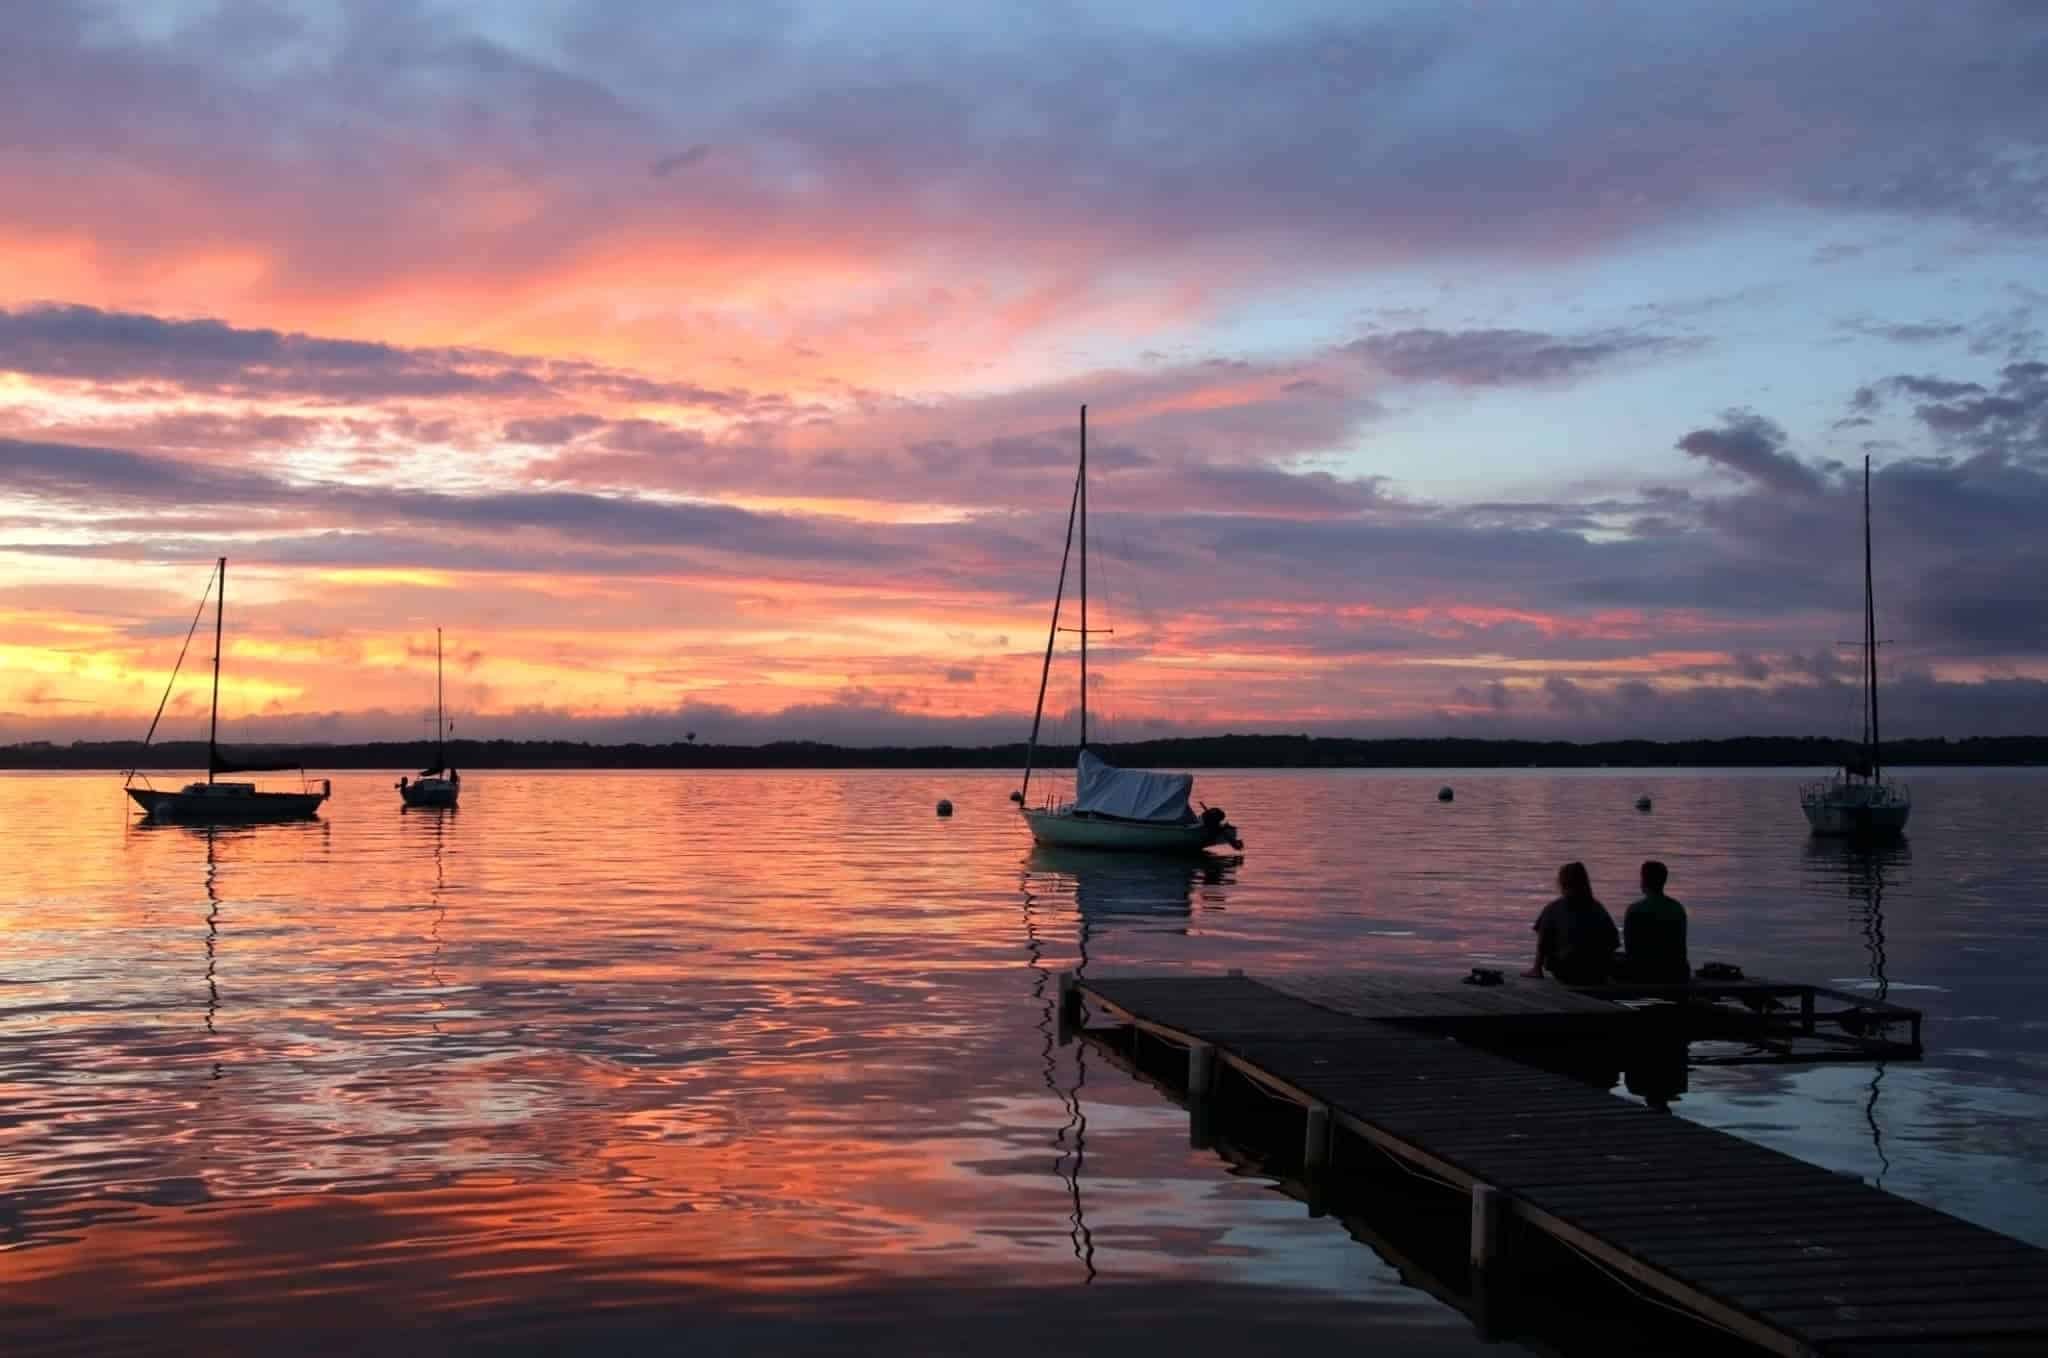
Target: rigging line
(1052, 635)
(197, 614)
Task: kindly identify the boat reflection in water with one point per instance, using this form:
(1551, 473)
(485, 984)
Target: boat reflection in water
(1862, 870)
(1108, 886)
(434, 829)
(1105, 888)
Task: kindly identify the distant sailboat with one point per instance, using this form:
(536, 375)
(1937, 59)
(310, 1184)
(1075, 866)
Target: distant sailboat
(1860, 800)
(214, 801)
(439, 785)
(1113, 808)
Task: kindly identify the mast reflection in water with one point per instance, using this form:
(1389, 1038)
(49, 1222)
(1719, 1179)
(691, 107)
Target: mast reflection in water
(1105, 889)
(1863, 871)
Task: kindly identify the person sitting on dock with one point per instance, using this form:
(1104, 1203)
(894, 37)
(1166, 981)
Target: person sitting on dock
(1575, 936)
(1653, 934)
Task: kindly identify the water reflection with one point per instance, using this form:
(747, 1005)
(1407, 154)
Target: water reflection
(212, 934)
(1113, 886)
(1863, 872)
(434, 820)
(1105, 889)
(763, 1042)
(1070, 1142)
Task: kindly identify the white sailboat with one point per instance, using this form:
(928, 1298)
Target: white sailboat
(1112, 808)
(214, 801)
(1860, 801)
(439, 785)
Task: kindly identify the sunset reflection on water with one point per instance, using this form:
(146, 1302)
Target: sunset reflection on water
(783, 1044)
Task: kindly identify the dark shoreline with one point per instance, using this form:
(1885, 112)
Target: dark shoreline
(1228, 751)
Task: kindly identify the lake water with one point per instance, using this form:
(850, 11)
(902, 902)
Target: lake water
(765, 1061)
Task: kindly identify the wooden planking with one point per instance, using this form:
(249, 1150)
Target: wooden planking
(1797, 1255)
(1433, 996)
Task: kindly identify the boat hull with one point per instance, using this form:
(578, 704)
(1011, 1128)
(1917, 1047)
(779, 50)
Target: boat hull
(1847, 809)
(1063, 829)
(430, 792)
(1841, 820)
(195, 806)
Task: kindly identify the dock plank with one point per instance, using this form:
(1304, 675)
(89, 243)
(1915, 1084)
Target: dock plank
(1799, 1258)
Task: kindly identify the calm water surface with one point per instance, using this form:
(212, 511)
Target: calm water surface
(766, 1060)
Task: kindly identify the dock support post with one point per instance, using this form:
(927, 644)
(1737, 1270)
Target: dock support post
(1806, 1010)
(1315, 1157)
(1489, 1228)
(1201, 1071)
(1070, 1006)
(1315, 1146)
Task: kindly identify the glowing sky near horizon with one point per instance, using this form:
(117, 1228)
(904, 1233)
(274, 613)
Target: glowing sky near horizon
(1488, 369)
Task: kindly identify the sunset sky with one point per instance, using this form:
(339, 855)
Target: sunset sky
(1453, 368)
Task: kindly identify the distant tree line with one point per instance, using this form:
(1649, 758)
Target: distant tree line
(1228, 751)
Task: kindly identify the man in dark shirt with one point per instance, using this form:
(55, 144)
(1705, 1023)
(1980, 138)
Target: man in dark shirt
(1653, 933)
(1575, 936)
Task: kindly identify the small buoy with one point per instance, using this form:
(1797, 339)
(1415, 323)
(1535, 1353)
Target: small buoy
(1642, 803)
(1443, 794)
(945, 807)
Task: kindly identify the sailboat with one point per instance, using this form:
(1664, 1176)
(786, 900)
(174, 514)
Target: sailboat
(1859, 800)
(1112, 808)
(213, 800)
(439, 785)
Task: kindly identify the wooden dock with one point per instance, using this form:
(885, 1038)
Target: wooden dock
(1790, 1257)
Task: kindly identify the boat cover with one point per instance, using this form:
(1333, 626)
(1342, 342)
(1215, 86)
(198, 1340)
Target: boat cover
(1130, 794)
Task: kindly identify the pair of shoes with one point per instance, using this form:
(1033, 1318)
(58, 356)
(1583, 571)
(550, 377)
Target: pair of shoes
(1484, 976)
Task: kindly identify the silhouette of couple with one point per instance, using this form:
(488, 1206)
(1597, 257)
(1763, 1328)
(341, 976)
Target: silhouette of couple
(1578, 945)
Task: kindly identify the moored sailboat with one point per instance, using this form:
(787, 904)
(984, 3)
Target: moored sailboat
(214, 801)
(439, 785)
(1112, 808)
(1859, 800)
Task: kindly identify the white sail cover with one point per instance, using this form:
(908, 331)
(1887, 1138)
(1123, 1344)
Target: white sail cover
(1130, 794)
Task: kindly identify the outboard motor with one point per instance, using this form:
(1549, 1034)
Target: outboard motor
(1216, 829)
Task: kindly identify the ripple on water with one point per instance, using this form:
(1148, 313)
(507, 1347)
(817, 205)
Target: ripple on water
(775, 1041)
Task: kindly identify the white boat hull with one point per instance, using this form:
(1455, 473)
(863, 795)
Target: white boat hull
(225, 803)
(1856, 810)
(429, 792)
(1061, 828)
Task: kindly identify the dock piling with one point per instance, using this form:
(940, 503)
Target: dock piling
(1489, 1274)
(1315, 1147)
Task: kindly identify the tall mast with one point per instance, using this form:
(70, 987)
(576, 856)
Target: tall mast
(1084, 577)
(1869, 624)
(440, 727)
(220, 603)
(1051, 634)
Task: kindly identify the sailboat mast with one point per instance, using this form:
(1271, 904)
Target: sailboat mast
(440, 722)
(1052, 632)
(1084, 578)
(1869, 625)
(220, 603)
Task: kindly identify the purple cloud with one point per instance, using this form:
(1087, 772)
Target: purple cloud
(1489, 358)
(86, 344)
(1753, 448)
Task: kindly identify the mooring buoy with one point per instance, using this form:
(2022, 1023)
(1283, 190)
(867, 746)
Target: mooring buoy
(945, 807)
(1443, 794)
